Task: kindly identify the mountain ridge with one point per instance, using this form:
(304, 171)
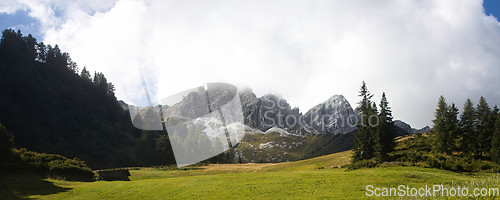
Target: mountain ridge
(333, 116)
(277, 132)
(324, 129)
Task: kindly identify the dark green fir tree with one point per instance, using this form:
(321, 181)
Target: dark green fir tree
(365, 141)
(385, 132)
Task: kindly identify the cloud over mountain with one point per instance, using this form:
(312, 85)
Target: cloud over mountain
(305, 50)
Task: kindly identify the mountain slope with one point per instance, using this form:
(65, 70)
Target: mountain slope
(334, 160)
(408, 129)
(274, 146)
(269, 111)
(404, 126)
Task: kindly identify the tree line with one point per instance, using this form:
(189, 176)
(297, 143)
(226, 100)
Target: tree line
(461, 142)
(476, 133)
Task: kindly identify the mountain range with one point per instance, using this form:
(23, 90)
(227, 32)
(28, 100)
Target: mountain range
(274, 130)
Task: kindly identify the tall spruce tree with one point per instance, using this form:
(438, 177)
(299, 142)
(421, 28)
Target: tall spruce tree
(484, 127)
(467, 129)
(452, 129)
(364, 140)
(440, 125)
(385, 132)
(493, 118)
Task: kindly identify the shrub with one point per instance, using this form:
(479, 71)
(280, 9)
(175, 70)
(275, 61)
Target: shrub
(362, 164)
(418, 143)
(432, 162)
(485, 166)
(56, 166)
(114, 175)
(392, 164)
(409, 156)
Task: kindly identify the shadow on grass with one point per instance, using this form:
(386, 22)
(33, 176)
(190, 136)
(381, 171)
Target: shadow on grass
(21, 185)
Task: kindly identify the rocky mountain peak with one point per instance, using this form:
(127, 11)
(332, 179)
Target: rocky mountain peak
(335, 115)
(422, 130)
(406, 127)
(270, 110)
(336, 99)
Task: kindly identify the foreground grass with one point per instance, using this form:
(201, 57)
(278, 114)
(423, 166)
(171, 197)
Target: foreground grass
(327, 183)
(316, 178)
(16, 185)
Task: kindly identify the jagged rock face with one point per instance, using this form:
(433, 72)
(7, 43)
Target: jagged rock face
(330, 117)
(250, 105)
(192, 106)
(333, 116)
(276, 112)
(268, 111)
(422, 130)
(201, 102)
(406, 127)
(273, 131)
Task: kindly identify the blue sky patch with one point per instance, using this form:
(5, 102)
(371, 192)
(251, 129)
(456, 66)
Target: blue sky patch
(22, 21)
(492, 7)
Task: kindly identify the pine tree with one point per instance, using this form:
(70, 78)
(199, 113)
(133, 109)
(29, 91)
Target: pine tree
(495, 142)
(467, 129)
(364, 141)
(440, 125)
(452, 124)
(493, 117)
(85, 74)
(102, 83)
(385, 135)
(484, 128)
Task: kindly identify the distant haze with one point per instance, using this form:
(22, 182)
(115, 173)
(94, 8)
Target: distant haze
(306, 51)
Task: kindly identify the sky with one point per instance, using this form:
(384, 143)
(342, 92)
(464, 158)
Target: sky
(305, 51)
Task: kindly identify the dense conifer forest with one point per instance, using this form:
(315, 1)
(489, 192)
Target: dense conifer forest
(52, 105)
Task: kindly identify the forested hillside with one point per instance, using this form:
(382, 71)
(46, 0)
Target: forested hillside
(52, 106)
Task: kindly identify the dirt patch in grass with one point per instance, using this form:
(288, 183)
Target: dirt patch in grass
(246, 167)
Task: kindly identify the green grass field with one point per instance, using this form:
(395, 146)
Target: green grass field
(316, 178)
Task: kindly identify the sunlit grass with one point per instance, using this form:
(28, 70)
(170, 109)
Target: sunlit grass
(316, 178)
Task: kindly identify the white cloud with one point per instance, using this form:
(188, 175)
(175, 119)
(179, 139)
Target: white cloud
(9, 6)
(53, 13)
(305, 50)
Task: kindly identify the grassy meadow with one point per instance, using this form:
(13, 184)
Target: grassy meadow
(316, 178)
